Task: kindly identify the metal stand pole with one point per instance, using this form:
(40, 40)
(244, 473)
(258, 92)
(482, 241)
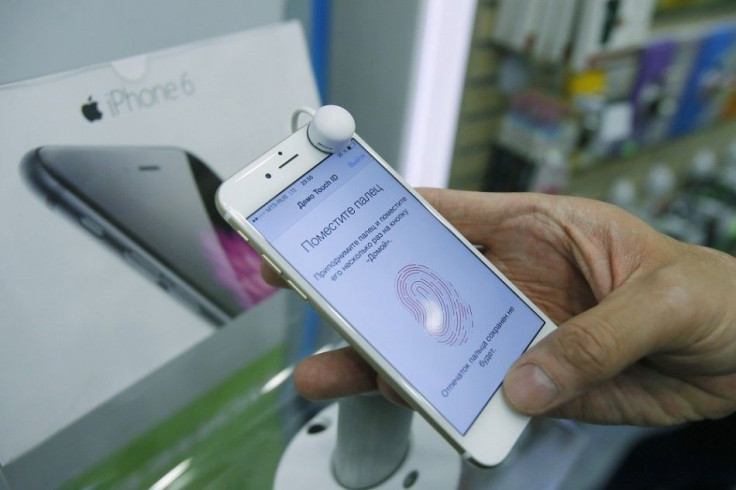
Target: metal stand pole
(367, 443)
(372, 440)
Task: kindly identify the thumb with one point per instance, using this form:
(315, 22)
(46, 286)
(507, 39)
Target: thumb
(594, 346)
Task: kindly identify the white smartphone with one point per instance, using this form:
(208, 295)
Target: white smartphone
(438, 321)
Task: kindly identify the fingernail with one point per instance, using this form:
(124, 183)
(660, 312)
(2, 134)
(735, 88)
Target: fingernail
(530, 389)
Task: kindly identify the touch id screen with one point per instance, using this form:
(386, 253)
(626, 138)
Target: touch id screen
(408, 286)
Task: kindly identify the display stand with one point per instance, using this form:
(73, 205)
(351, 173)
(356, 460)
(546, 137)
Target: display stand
(367, 442)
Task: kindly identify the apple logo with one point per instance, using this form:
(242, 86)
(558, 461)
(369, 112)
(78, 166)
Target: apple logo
(90, 110)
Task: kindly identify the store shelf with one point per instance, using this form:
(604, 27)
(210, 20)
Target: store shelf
(484, 106)
(677, 154)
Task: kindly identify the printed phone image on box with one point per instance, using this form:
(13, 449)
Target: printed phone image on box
(155, 207)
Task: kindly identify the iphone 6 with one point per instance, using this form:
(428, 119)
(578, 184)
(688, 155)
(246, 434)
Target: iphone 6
(154, 206)
(430, 313)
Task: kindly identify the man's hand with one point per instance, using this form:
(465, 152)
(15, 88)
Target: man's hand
(647, 325)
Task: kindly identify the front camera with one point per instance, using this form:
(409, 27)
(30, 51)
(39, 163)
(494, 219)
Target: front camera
(268, 176)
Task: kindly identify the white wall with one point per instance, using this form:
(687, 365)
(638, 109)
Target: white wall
(372, 44)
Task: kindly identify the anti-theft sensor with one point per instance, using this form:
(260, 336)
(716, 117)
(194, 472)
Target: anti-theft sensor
(331, 129)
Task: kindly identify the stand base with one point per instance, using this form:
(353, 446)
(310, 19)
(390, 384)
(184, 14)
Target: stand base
(430, 462)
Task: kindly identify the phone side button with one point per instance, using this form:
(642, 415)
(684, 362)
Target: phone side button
(92, 226)
(295, 288)
(142, 264)
(243, 235)
(273, 266)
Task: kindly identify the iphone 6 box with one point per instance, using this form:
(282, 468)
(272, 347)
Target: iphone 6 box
(115, 259)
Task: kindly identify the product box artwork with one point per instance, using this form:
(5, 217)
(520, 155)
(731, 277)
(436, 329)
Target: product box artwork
(125, 99)
(115, 258)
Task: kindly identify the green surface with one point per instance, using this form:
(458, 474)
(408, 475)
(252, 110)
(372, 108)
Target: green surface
(232, 437)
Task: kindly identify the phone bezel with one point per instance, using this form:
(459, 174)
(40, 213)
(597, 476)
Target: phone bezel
(494, 432)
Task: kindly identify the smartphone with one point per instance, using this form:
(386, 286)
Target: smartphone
(154, 206)
(439, 322)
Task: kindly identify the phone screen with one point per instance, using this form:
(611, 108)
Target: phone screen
(437, 313)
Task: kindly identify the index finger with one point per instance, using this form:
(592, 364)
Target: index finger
(477, 214)
(271, 276)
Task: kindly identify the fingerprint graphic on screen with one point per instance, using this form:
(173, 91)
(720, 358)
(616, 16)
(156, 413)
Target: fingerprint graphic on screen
(435, 305)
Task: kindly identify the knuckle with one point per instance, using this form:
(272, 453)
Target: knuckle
(673, 299)
(588, 348)
(669, 287)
